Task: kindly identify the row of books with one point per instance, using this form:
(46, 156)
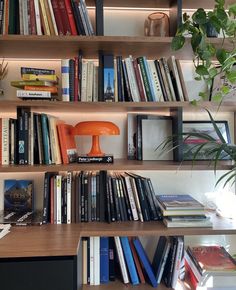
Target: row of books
(45, 17)
(210, 267)
(102, 255)
(89, 196)
(117, 80)
(35, 138)
(36, 83)
(182, 210)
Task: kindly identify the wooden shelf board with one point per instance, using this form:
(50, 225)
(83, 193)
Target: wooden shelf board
(31, 46)
(119, 164)
(40, 241)
(62, 240)
(58, 106)
(121, 286)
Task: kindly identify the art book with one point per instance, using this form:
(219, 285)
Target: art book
(18, 195)
(179, 202)
(213, 259)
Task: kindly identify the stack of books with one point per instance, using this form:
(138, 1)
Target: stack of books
(36, 83)
(4, 230)
(210, 267)
(182, 211)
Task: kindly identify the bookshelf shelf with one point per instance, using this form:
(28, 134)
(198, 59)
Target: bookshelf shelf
(59, 240)
(119, 164)
(119, 107)
(46, 47)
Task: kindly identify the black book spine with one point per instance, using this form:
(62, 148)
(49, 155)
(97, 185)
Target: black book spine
(118, 71)
(82, 204)
(72, 79)
(36, 146)
(115, 197)
(158, 210)
(142, 199)
(170, 263)
(36, 71)
(88, 259)
(46, 197)
(89, 189)
(119, 199)
(156, 62)
(80, 62)
(152, 209)
(77, 17)
(86, 198)
(1, 15)
(111, 199)
(63, 200)
(139, 137)
(26, 116)
(102, 186)
(123, 200)
(111, 259)
(126, 198)
(97, 197)
(100, 77)
(177, 129)
(99, 18)
(108, 204)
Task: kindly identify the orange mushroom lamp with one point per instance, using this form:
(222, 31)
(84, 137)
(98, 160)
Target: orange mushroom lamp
(96, 129)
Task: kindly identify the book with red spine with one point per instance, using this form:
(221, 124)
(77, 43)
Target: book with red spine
(64, 17)
(137, 263)
(71, 17)
(58, 18)
(139, 81)
(32, 17)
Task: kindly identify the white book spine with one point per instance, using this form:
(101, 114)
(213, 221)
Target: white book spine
(132, 79)
(32, 94)
(37, 16)
(167, 71)
(65, 85)
(25, 17)
(5, 141)
(91, 260)
(86, 17)
(163, 263)
(90, 82)
(83, 19)
(121, 259)
(178, 257)
(84, 81)
(156, 83)
(58, 194)
(95, 84)
(68, 197)
(131, 198)
(136, 198)
(20, 17)
(52, 17)
(96, 249)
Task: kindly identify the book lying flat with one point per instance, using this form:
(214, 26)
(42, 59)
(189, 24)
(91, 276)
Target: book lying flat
(22, 217)
(179, 202)
(188, 223)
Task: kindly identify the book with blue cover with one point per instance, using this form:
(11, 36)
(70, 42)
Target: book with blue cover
(129, 260)
(179, 202)
(104, 260)
(145, 262)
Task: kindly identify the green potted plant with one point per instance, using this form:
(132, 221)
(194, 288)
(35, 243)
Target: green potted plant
(207, 53)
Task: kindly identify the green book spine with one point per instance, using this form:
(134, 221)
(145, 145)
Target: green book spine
(145, 78)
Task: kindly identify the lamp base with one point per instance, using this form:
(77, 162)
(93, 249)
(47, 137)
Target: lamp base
(95, 159)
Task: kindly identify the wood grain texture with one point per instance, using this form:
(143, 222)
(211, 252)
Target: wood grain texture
(63, 240)
(34, 46)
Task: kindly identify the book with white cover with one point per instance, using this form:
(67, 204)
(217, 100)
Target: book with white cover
(156, 83)
(96, 262)
(33, 94)
(91, 260)
(121, 259)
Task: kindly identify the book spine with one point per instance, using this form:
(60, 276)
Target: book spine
(72, 79)
(158, 69)
(145, 78)
(78, 20)
(64, 17)
(84, 79)
(58, 18)
(86, 17)
(70, 17)
(91, 260)
(143, 201)
(65, 70)
(89, 87)
(58, 197)
(95, 83)
(49, 17)
(1, 16)
(25, 17)
(158, 96)
(177, 263)
(150, 80)
(44, 17)
(5, 141)
(131, 198)
(37, 17)
(108, 81)
(129, 260)
(84, 261)
(104, 260)
(5, 17)
(132, 79)
(82, 16)
(136, 197)
(46, 197)
(52, 17)
(69, 194)
(36, 71)
(145, 262)
(128, 95)
(96, 246)
(169, 81)
(46, 142)
(139, 81)
(32, 94)
(76, 80)
(121, 259)
(32, 18)
(137, 262)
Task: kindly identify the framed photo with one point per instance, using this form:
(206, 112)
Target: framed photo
(189, 145)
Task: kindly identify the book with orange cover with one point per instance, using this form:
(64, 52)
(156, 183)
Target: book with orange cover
(137, 263)
(67, 143)
(53, 90)
(212, 259)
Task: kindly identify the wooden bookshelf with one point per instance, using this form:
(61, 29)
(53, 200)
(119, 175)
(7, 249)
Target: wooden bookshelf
(34, 46)
(119, 164)
(63, 240)
(118, 107)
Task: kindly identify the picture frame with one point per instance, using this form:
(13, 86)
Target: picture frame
(189, 145)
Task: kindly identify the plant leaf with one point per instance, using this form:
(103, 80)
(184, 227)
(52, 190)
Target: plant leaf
(177, 42)
(231, 76)
(216, 127)
(202, 70)
(221, 55)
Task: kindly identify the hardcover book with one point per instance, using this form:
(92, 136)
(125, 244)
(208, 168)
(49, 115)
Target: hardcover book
(22, 218)
(179, 202)
(18, 195)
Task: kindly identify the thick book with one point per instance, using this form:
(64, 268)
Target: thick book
(33, 94)
(206, 223)
(129, 260)
(121, 260)
(145, 262)
(95, 159)
(20, 84)
(213, 259)
(67, 143)
(36, 71)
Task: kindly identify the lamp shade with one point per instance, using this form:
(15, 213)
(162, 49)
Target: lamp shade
(95, 129)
